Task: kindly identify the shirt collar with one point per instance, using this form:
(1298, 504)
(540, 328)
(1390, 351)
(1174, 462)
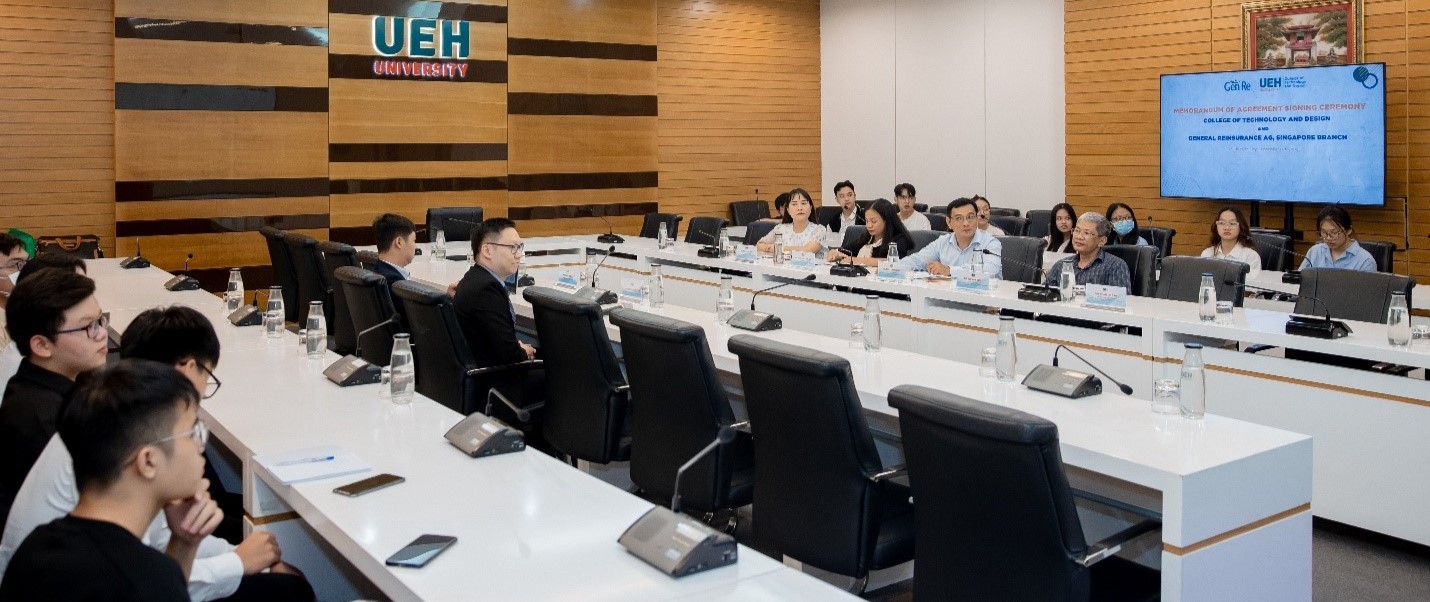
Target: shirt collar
(50, 380)
(980, 240)
(400, 269)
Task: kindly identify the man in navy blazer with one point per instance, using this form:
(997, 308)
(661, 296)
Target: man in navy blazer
(396, 246)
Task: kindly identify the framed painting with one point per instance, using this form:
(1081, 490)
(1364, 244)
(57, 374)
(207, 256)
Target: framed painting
(1300, 33)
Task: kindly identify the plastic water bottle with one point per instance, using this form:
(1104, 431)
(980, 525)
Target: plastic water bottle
(779, 248)
(873, 331)
(273, 316)
(656, 294)
(724, 241)
(725, 300)
(1006, 362)
(662, 238)
(976, 263)
(317, 331)
(588, 271)
(404, 372)
(233, 297)
(1066, 280)
(893, 252)
(1206, 299)
(1397, 321)
(439, 245)
(1194, 383)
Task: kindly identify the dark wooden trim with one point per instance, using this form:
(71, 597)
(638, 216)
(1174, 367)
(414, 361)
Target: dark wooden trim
(219, 225)
(371, 153)
(214, 280)
(583, 181)
(383, 186)
(208, 31)
(357, 236)
(187, 190)
(356, 66)
(416, 8)
(572, 211)
(580, 50)
(615, 105)
(199, 97)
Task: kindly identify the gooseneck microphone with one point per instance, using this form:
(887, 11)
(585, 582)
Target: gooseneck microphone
(610, 237)
(183, 281)
(711, 250)
(749, 319)
(1033, 291)
(395, 318)
(137, 261)
(1126, 390)
(780, 285)
(352, 369)
(726, 436)
(596, 294)
(1315, 326)
(679, 545)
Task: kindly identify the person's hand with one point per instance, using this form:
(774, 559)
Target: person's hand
(938, 269)
(259, 551)
(283, 568)
(452, 290)
(764, 247)
(193, 518)
(530, 351)
(835, 255)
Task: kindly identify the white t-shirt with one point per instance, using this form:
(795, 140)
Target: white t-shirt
(812, 233)
(917, 221)
(995, 230)
(1238, 253)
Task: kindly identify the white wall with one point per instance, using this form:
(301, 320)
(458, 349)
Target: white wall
(956, 97)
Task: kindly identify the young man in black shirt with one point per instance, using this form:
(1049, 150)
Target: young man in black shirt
(137, 443)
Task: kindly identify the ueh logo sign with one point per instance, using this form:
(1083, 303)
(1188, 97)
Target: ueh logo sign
(421, 39)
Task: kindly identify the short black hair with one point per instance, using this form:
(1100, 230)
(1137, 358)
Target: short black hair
(978, 197)
(905, 187)
(389, 227)
(842, 185)
(490, 230)
(61, 261)
(960, 202)
(38, 304)
(118, 409)
(169, 335)
(781, 200)
(8, 244)
(1337, 214)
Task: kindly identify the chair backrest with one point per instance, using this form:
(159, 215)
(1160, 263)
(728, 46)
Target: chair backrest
(1181, 278)
(1274, 249)
(921, 207)
(1350, 294)
(283, 275)
(921, 239)
(464, 219)
(852, 236)
(755, 231)
(995, 518)
(811, 471)
(677, 406)
(1383, 252)
(824, 213)
(651, 226)
(337, 255)
(937, 221)
(369, 303)
(705, 230)
(1038, 223)
(1160, 238)
(1141, 266)
(1007, 211)
(1022, 258)
(367, 259)
(439, 350)
(745, 213)
(313, 282)
(1011, 224)
(585, 414)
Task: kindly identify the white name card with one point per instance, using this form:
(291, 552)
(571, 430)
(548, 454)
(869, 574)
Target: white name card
(1105, 297)
(968, 280)
(566, 278)
(746, 253)
(633, 290)
(803, 260)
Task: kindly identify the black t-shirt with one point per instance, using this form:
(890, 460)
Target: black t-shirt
(81, 559)
(28, 415)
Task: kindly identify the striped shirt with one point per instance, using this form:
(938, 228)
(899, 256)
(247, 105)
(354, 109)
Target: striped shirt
(1105, 269)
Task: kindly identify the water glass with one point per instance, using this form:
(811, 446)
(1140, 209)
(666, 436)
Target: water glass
(1167, 396)
(988, 363)
(1066, 280)
(856, 335)
(1224, 312)
(384, 387)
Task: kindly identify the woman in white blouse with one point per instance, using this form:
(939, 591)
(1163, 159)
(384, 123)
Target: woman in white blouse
(799, 233)
(1231, 239)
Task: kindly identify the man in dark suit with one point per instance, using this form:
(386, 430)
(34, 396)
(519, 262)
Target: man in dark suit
(396, 246)
(849, 213)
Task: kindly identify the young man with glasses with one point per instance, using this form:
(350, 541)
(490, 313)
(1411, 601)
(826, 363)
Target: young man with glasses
(183, 338)
(1090, 264)
(12, 258)
(138, 452)
(1338, 247)
(964, 245)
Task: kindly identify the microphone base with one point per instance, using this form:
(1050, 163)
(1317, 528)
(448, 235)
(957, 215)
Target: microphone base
(1317, 328)
(610, 239)
(182, 283)
(1063, 382)
(456, 258)
(755, 321)
(678, 545)
(711, 252)
(1040, 293)
(599, 296)
(352, 371)
(480, 436)
(134, 263)
(1291, 277)
(848, 270)
(248, 315)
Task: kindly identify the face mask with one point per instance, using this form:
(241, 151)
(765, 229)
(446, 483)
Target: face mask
(15, 278)
(1122, 227)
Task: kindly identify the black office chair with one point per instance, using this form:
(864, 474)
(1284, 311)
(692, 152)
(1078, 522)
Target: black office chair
(1275, 251)
(1141, 267)
(921, 239)
(446, 370)
(587, 398)
(744, 213)
(313, 282)
(1004, 211)
(367, 259)
(705, 230)
(651, 226)
(1011, 224)
(1038, 223)
(1160, 238)
(678, 405)
(1383, 252)
(937, 221)
(462, 221)
(337, 255)
(1350, 294)
(754, 232)
(822, 495)
(921, 207)
(824, 213)
(995, 518)
(1181, 278)
(283, 274)
(1022, 258)
(369, 303)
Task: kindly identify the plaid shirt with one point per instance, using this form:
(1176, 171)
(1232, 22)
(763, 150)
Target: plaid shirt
(1105, 269)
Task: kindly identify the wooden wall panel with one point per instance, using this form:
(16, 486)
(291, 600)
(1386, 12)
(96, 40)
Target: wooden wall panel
(57, 117)
(740, 109)
(1114, 52)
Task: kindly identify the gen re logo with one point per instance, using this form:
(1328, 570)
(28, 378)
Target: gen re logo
(422, 38)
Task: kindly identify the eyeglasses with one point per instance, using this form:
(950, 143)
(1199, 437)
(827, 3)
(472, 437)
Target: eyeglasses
(516, 249)
(200, 434)
(214, 383)
(1331, 234)
(14, 265)
(93, 329)
(1081, 232)
(962, 219)
(1221, 223)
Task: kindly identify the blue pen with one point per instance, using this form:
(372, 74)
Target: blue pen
(305, 461)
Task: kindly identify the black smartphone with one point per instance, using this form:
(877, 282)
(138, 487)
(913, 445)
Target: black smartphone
(369, 485)
(421, 551)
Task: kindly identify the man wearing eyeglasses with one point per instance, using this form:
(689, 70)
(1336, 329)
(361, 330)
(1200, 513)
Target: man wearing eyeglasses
(12, 258)
(1092, 265)
(963, 246)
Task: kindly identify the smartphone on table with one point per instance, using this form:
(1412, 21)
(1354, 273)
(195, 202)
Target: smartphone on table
(421, 551)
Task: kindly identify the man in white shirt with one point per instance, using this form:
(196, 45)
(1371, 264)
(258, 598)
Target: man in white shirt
(904, 197)
(964, 245)
(985, 213)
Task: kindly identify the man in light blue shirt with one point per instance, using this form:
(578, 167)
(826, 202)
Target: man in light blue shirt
(962, 246)
(1337, 248)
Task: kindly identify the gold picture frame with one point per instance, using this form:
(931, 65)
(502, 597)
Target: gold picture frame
(1301, 33)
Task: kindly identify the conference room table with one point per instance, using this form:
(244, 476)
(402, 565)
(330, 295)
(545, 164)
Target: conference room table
(528, 525)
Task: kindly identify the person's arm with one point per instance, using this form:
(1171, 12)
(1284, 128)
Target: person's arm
(1119, 275)
(766, 244)
(1253, 259)
(49, 493)
(190, 521)
(1365, 263)
(1054, 274)
(920, 260)
(993, 264)
(816, 240)
(217, 570)
(483, 312)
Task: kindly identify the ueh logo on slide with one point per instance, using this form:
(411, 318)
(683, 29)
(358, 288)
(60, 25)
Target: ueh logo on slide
(1365, 77)
(419, 39)
(1236, 86)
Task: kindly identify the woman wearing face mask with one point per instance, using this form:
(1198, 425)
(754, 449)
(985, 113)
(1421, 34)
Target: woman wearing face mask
(884, 227)
(12, 258)
(1231, 240)
(1060, 227)
(1124, 226)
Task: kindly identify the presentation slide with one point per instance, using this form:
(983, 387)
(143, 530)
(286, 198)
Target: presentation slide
(1311, 134)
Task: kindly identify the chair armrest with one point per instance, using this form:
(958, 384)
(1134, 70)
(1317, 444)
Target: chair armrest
(622, 389)
(1118, 504)
(743, 426)
(889, 473)
(526, 365)
(523, 413)
(1112, 544)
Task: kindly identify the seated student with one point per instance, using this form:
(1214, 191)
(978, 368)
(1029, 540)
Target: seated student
(905, 196)
(1231, 239)
(985, 213)
(12, 258)
(55, 320)
(184, 338)
(849, 213)
(396, 246)
(882, 221)
(962, 246)
(781, 201)
(1338, 248)
(799, 233)
(1092, 265)
(1060, 227)
(138, 452)
(1124, 226)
